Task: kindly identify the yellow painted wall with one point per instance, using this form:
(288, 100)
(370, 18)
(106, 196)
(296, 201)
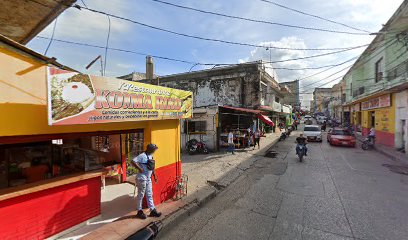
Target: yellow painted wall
(384, 118)
(365, 122)
(23, 107)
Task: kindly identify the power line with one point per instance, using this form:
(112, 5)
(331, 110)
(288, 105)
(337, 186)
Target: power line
(52, 36)
(213, 39)
(363, 79)
(107, 46)
(121, 50)
(341, 70)
(257, 20)
(336, 65)
(386, 44)
(311, 68)
(314, 16)
(185, 61)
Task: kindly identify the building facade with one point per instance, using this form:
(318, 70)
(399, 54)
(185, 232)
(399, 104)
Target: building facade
(321, 99)
(294, 98)
(243, 86)
(376, 84)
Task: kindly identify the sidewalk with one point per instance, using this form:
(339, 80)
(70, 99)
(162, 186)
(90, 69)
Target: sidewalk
(208, 174)
(387, 151)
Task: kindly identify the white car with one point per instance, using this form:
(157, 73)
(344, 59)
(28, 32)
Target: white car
(307, 119)
(321, 119)
(312, 133)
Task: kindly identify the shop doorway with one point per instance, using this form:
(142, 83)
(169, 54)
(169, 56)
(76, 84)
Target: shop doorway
(134, 144)
(371, 119)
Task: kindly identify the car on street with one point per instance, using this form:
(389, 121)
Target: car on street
(321, 119)
(312, 133)
(341, 137)
(308, 120)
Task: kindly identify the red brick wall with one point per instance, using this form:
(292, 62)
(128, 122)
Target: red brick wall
(45, 213)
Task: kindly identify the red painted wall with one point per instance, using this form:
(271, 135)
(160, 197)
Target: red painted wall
(45, 213)
(165, 188)
(384, 138)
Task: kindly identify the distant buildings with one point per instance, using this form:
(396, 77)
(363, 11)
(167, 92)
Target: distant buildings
(321, 98)
(294, 98)
(232, 97)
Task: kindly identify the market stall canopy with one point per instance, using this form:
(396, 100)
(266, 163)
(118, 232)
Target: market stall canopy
(22, 20)
(243, 109)
(266, 120)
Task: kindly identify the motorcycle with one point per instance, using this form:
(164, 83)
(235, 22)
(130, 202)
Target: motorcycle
(194, 146)
(301, 152)
(368, 143)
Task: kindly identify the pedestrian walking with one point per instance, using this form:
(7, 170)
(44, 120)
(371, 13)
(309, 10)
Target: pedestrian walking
(145, 165)
(231, 145)
(257, 137)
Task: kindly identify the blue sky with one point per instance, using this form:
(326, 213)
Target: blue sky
(83, 26)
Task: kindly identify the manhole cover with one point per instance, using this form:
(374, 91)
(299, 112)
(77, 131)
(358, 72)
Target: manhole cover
(271, 154)
(397, 169)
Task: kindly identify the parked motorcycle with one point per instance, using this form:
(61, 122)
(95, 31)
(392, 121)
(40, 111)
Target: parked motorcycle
(194, 147)
(368, 143)
(301, 152)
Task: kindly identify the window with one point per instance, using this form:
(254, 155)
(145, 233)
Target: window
(341, 132)
(311, 129)
(195, 126)
(379, 71)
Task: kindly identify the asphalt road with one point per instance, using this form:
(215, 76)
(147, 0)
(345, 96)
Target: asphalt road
(336, 193)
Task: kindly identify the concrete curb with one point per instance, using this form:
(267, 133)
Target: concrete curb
(208, 193)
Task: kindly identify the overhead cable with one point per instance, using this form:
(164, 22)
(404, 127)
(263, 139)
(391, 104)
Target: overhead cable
(257, 20)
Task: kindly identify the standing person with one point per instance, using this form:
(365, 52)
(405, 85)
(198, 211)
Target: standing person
(257, 136)
(145, 164)
(296, 124)
(231, 145)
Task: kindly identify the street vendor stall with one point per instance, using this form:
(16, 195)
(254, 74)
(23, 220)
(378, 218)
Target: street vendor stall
(65, 132)
(239, 121)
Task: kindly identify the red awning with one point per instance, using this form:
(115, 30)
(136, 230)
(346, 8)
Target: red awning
(243, 109)
(266, 120)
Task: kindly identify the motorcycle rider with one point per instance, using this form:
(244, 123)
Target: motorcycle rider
(301, 141)
(371, 135)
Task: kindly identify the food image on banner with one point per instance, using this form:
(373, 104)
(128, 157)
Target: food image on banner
(70, 95)
(75, 98)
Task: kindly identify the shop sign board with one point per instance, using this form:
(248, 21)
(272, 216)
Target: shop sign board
(378, 102)
(356, 107)
(286, 109)
(277, 107)
(75, 98)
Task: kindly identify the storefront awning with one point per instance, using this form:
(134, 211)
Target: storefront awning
(266, 120)
(243, 109)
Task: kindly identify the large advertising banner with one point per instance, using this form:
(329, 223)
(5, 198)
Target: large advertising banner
(75, 98)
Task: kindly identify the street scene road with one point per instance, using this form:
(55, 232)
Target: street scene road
(336, 193)
(181, 119)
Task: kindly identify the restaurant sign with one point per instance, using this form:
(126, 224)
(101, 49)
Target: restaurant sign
(378, 102)
(75, 98)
